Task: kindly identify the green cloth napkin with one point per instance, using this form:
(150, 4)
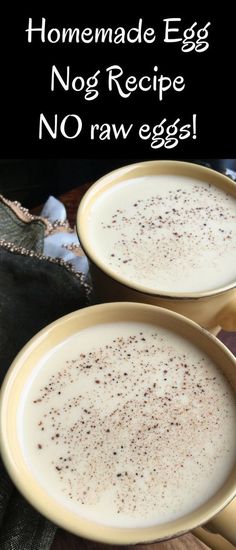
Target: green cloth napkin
(34, 291)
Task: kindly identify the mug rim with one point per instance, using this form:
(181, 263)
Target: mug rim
(13, 455)
(119, 278)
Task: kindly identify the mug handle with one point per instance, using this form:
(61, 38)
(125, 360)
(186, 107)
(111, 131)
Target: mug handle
(223, 524)
(226, 317)
(212, 541)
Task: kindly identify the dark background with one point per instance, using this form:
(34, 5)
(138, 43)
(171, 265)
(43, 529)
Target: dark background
(30, 169)
(31, 181)
(25, 85)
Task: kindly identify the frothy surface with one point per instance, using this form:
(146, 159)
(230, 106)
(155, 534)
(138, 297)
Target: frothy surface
(129, 425)
(168, 233)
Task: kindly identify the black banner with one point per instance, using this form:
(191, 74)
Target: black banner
(153, 86)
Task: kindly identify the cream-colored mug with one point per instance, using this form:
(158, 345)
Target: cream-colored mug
(216, 509)
(212, 308)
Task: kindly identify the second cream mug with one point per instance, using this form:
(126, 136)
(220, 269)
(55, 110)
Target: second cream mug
(212, 308)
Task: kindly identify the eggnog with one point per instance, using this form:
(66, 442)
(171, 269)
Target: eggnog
(166, 233)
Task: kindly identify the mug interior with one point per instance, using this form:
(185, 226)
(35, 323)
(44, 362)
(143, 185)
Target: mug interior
(148, 168)
(14, 386)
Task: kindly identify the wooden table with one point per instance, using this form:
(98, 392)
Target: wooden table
(67, 541)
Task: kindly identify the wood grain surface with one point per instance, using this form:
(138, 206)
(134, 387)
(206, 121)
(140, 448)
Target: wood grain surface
(67, 541)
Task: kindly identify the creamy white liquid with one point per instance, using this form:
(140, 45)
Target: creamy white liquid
(167, 233)
(128, 425)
